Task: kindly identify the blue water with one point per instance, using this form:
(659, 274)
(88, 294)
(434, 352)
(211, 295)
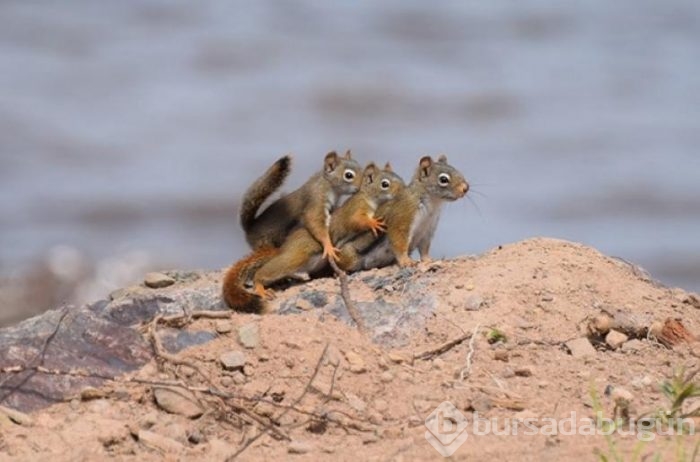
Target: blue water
(138, 125)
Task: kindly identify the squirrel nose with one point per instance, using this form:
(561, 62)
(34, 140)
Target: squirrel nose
(464, 187)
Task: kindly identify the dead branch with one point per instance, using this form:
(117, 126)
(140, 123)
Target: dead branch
(440, 349)
(345, 294)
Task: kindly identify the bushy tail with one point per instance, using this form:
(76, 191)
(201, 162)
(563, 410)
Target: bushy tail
(263, 187)
(235, 294)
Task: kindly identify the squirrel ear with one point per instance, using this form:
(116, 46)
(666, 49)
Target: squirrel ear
(424, 165)
(348, 154)
(442, 159)
(387, 167)
(331, 161)
(370, 171)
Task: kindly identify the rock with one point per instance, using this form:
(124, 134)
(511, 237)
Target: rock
(159, 442)
(642, 382)
(438, 364)
(232, 360)
(238, 378)
(157, 280)
(380, 405)
(399, 357)
(223, 327)
(20, 418)
(580, 348)
(299, 447)
(620, 395)
(633, 345)
(501, 355)
(473, 302)
(615, 339)
(386, 377)
(357, 364)
(226, 381)
(178, 401)
(481, 404)
(547, 298)
(249, 335)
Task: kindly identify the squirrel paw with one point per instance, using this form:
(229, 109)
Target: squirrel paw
(377, 225)
(331, 252)
(406, 261)
(266, 294)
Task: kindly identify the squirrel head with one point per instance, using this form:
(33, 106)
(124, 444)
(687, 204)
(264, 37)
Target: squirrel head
(344, 173)
(439, 179)
(381, 185)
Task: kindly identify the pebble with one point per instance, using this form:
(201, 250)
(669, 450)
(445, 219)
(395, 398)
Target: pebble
(157, 280)
(20, 418)
(356, 402)
(299, 447)
(524, 372)
(357, 364)
(501, 355)
(178, 401)
(398, 357)
(547, 298)
(438, 364)
(238, 378)
(249, 335)
(226, 381)
(232, 360)
(632, 345)
(380, 405)
(89, 393)
(580, 347)
(386, 377)
(224, 327)
(159, 442)
(474, 302)
(195, 437)
(615, 339)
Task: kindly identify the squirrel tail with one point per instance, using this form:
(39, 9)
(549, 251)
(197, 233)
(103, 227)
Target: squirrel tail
(234, 292)
(263, 188)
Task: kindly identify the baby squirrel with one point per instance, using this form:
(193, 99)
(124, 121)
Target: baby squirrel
(309, 206)
(410, 218)
(301, 252)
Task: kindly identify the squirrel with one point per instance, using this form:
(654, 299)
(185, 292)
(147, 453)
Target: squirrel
(301, 252)
(309, 206)
(410, 218)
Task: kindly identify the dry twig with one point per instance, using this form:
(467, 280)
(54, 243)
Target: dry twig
(345, 293)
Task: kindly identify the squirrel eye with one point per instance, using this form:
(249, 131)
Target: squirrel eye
(386, 184)
(349, 175)
(444, 179)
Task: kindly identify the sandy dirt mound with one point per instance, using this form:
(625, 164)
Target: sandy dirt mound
(520, 332)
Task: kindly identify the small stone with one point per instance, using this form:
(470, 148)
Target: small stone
(642, 382)
(459, 286)
(223, 327)
(524, 372)
(398, 357)
(238, 378)
(380, 405)
(507, 373)
(386, 377)
(621, 395)
(232, 360)
(438, 364)
(299, 447)
(289, 362)
(357, 364)
(249, 335)
(226, 381)
(195, 437)
(415, 421)
(547, 298)
(469, 286)
(482, 404)
(90, 393)
(356, 402)
(633, 345)
(615, 339)
(159, 442)
(20, 418)
(178, 401)
(473, 302)
(580, 347)
(157, 280)
(304, 305)
(501, 355)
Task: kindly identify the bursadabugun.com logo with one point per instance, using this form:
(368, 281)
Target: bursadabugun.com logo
(448, 429)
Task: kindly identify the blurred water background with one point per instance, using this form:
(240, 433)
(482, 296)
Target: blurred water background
(129, 130)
